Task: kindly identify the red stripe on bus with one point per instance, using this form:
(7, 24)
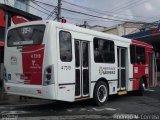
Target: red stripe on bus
(32, 59)
(136, 84)
(2, 21)
(19, 19)
(1, 43)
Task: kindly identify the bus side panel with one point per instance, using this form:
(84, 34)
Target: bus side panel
(138, 72)
(50, 59)
(107, 71)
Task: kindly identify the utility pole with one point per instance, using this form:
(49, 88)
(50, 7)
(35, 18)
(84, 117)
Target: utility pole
(5, 2)
(59, 10)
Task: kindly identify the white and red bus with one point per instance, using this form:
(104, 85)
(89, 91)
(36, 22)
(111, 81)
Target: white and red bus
(60, 61)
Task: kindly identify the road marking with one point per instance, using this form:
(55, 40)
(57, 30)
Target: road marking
(93, 109)
(72, 117)
(20, 105)
(13, 112)
(83, 109)
(69, 110)
(2, 107)
(150, 90)
(102, 109)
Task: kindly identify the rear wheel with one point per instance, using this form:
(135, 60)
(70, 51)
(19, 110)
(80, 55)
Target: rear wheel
(101, 93)
(142, 87)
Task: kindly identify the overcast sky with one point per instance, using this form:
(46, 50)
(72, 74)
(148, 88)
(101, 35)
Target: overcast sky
(118, 10)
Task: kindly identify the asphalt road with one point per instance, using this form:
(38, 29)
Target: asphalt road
(118, 107)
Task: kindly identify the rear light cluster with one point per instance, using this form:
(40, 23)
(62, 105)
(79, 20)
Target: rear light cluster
(48, 76)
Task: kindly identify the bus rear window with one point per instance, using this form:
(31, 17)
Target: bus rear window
(26, 35)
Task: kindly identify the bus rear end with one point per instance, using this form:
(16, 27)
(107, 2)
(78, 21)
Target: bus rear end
(24, 59)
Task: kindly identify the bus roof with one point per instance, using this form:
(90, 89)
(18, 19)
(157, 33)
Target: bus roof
(141, 43)
(75, 28)
(93, 32)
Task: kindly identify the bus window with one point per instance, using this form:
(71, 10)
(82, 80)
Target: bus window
(77, 61)
(137, 54)
(65, 46)
(26, 35)
(133, 54)
(103, 51)
(2, 33)
(140, 55)
(85, 54)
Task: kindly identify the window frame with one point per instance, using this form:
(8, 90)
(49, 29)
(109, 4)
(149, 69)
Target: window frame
(27, 44)
(104, 40)
(60, 46)
(135, 55)
(133, 61)
(143, 63)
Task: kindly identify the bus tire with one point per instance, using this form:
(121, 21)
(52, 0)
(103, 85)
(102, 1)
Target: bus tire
(101, 93)
(141, 87)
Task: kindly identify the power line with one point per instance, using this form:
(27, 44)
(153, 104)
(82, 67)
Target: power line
(118, 5)
(125, 5)
(54, 11)
(37, 9)
(131, 5)
(51, 14)
(100, 11)
(47, 4)
(33, 8)
(86, 14)
(40, 6)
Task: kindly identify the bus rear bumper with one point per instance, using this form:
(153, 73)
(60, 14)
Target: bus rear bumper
(35, 91)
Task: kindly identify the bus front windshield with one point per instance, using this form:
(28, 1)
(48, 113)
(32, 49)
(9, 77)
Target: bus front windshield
(26, 35)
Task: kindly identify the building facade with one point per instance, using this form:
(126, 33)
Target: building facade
(123, 29)
(25, 5)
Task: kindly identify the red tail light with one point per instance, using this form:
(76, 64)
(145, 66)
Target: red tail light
(48, 75)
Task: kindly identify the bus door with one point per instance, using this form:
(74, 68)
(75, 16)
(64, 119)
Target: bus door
(152, 68)
(82, 78)
(121, 59)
